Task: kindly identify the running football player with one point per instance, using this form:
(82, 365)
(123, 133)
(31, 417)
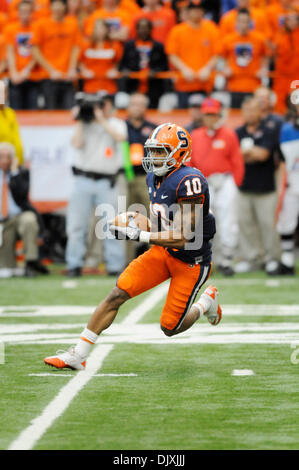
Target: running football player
(180, 250)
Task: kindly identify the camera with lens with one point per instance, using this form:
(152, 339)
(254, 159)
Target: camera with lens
(86, 103)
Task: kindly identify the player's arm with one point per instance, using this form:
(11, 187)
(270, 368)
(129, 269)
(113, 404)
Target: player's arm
(184, 225)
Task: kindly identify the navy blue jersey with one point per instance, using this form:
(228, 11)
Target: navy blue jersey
(185, 183)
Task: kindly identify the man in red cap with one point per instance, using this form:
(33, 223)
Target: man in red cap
(216, 152)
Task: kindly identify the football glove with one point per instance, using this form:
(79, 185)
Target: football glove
(125, 233)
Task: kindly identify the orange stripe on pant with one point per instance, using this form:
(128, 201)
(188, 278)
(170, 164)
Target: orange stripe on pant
(156, 266)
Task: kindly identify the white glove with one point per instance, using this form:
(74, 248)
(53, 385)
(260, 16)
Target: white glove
(125, 233)
(131, 232)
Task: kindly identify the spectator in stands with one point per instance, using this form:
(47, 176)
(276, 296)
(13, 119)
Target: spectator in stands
(41, 9)
(162, 18)
(18, 217)
(286, 59)
(213, 10)
(183, 45)
(194, 105)
(227, 5)
(97, 161)
(23, 71)
(139, 129)
(56, 49)
(9, 128)
(258, 20)
(73, 8)
(216, 152)
(276, 15)
(88, 7)
(99, 60)
(246, 59)
(146, 55)
(257, 198)
(288, 217)
(117, 17)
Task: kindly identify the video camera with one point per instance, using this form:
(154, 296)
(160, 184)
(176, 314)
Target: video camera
(87, 102)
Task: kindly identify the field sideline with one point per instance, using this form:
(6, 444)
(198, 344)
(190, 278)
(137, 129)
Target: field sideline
(142, 390)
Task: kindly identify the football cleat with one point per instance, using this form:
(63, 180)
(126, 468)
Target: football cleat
(214, 312)
(66, 360)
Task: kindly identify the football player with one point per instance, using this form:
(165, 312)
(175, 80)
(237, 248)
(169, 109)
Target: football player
(180, 250)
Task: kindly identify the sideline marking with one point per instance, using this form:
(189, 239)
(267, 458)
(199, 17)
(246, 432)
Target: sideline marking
(242, 372)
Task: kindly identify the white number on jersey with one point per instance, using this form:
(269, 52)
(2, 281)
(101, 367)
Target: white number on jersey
(196, 186)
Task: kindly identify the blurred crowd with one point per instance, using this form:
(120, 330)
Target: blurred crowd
(167, 49)
(252, 171)
(207, 57)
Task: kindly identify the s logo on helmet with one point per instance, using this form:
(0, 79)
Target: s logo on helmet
(183, 137)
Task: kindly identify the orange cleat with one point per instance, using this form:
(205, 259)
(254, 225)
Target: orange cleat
(66, 360)
(214, 311)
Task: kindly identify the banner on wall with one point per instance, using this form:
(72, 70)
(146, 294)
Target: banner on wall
(49, 153)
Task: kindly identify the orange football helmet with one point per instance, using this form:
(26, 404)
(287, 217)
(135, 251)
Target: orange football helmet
(176, 143)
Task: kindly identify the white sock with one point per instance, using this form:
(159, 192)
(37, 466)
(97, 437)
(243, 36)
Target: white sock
(203, 304)
(85, 343)
(199, 308)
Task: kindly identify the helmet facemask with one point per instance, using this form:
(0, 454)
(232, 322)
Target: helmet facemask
(167, 160)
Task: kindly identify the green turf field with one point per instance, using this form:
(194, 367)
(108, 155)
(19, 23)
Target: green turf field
(165, 393)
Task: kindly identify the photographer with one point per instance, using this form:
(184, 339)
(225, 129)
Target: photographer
(97, 162)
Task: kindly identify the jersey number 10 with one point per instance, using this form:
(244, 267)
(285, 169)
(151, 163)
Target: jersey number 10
(193, 186)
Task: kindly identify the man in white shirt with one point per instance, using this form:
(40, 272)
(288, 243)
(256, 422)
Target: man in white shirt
(97, 163)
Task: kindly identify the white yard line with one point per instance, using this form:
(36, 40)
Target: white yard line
(120, 333)
(142, 333)
(242, 372)
(151, 300)
(32, 434)
(58, 374)
(266, 310)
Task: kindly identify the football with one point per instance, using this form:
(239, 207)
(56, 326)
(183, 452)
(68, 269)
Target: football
(125, 218)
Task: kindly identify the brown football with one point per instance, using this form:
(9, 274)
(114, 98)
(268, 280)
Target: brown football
(123, 219)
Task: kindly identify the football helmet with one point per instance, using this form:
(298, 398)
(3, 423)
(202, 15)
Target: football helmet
(174, 142)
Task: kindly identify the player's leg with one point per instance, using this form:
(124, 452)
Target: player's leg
(144, 273)
(107, 310)
(101, 319)
(179, 312)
